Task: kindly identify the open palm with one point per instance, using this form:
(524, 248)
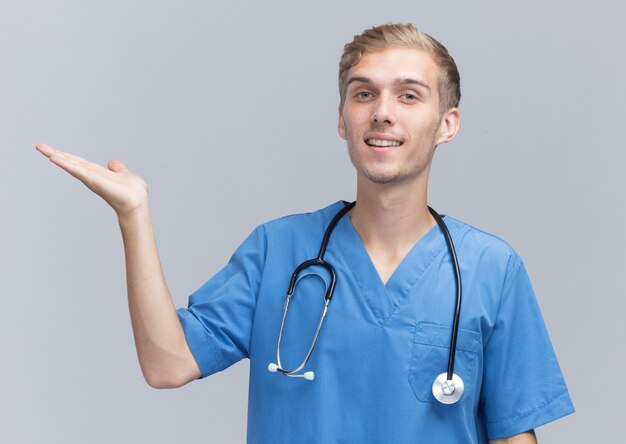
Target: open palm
(123, 190)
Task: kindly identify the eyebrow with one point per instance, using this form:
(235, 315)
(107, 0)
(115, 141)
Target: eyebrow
(399, 81)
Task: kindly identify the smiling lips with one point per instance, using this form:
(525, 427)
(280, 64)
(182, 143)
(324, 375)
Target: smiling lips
(382, 142)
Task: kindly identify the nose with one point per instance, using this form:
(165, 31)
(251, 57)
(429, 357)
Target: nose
(382, 112)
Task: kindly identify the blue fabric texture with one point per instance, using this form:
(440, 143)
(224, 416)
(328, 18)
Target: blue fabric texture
(381, 345)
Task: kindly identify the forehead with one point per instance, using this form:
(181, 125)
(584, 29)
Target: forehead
(392, 63)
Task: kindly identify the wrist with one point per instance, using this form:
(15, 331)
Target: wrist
(137, 215)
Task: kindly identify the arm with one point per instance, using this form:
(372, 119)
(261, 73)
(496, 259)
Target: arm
(164, 356)
(523, 438)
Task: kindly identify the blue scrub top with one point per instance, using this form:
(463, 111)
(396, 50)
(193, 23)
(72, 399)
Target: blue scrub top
(381, 346)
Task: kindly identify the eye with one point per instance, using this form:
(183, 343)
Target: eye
(363, 95)
(409, 96)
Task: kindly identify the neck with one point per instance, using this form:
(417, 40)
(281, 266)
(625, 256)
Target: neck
(392, 217)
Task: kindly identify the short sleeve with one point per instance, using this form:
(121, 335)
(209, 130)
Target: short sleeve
(218, 320)
(523, 387)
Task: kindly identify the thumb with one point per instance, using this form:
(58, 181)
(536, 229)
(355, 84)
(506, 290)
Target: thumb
(117, 166)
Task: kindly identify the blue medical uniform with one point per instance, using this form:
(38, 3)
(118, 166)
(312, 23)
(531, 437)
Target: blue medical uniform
(381, 346)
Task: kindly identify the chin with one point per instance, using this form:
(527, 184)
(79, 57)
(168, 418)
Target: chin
(378, 173)
(383, 177)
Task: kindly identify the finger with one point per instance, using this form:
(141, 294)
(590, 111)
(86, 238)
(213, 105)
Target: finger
(69, 165)
(93, 176)
(49, 151)
(117, 166)
(46, 150)
(80, 160)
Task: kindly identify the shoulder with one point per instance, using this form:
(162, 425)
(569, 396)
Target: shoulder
(312, 221)
(482, 248)
(285, 236)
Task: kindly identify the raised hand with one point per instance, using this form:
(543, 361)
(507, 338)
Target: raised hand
(164, 355)
(123, 190)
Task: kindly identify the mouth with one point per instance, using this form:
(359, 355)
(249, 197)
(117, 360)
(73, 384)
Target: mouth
(383, 143)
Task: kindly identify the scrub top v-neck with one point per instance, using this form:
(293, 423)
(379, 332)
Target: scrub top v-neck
(381, 346)
(384, 299)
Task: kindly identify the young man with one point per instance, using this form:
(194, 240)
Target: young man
(386, 336)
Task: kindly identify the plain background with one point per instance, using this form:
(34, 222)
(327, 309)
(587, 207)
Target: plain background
(229, 111)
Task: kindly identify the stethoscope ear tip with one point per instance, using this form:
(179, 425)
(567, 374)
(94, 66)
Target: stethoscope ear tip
(309, 376)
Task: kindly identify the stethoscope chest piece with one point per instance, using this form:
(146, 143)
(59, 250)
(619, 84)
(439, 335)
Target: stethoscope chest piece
(448, 391)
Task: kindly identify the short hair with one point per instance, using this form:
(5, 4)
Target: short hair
(397, 35)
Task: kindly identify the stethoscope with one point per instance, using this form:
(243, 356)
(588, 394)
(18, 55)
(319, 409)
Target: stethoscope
(448, 387)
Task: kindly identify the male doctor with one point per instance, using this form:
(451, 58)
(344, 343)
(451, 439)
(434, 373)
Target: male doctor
(386, 335)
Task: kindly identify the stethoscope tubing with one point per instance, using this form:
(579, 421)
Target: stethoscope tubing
(459, 291)
(443, 389)
(319, 260)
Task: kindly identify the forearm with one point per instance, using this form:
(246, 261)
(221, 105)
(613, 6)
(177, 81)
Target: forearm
(523, 438)
(164, 356)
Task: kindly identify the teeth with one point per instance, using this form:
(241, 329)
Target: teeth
(380, 142)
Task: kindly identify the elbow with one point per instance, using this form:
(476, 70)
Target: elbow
(170, 373)
(158, 383)
(163, 380)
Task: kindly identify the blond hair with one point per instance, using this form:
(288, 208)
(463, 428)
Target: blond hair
(404, 36)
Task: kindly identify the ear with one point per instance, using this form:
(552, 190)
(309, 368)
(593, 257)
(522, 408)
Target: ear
(341, 125)
(449, 125)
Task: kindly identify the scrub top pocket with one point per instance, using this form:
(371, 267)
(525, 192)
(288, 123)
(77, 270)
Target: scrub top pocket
(431, 349)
